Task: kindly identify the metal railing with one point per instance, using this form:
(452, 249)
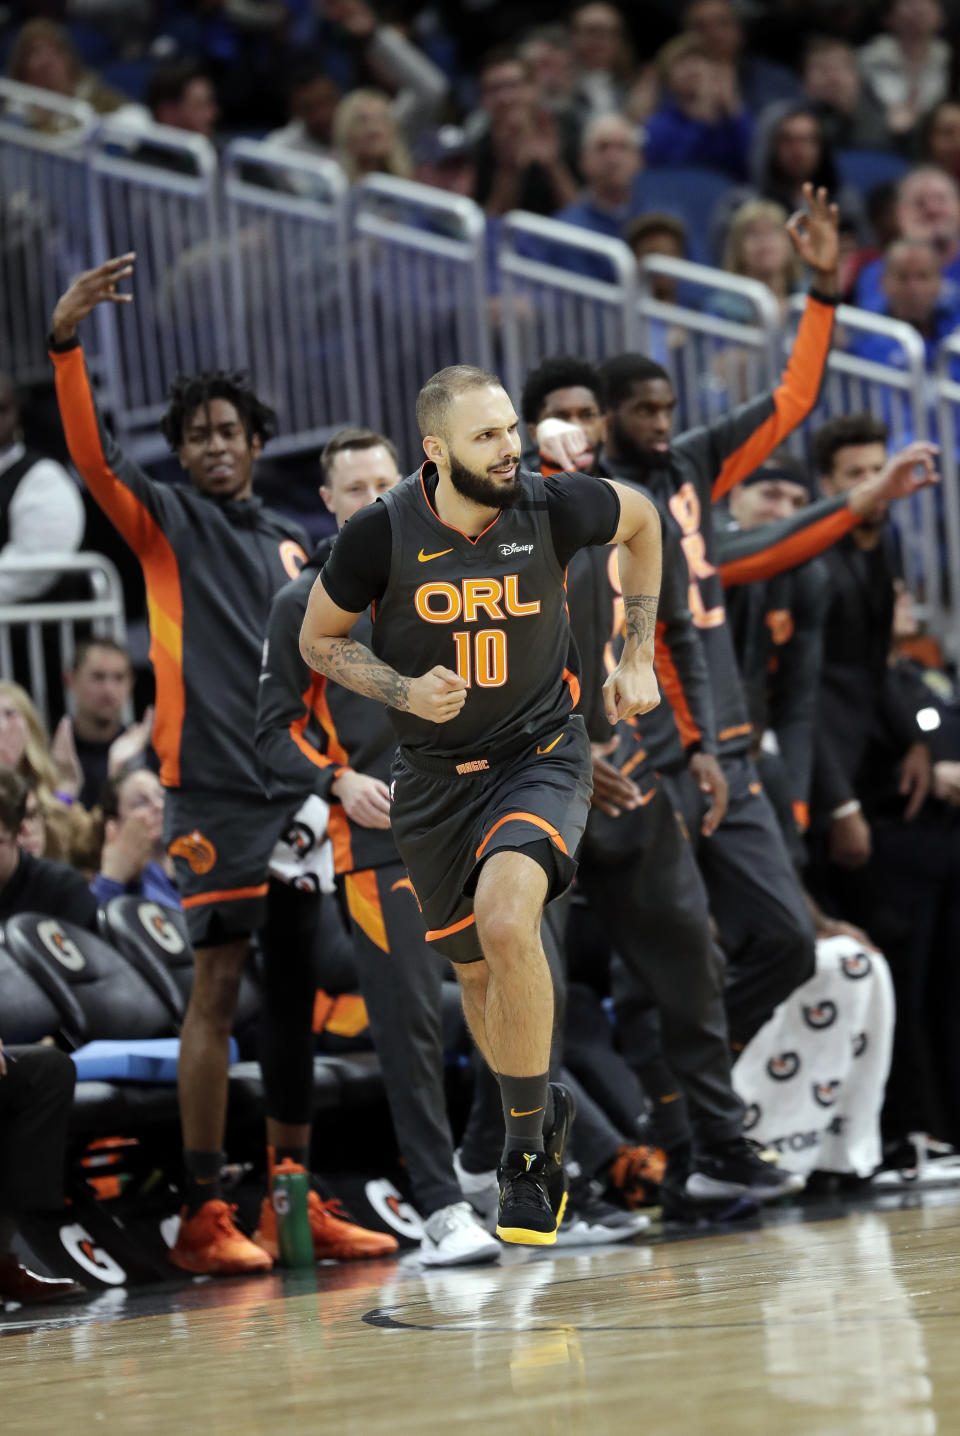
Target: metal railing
(948, 435)
(417, 257)
(291, 308)
(717, 334)
(563, 290)
(42, 622)
(154, 191)
(45, 232)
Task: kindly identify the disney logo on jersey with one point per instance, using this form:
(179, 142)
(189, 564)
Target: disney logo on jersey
(507, 550)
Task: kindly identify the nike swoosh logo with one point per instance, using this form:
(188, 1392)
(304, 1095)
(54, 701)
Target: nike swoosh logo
(647, 798)
(550, 745)
(532, 1113)
(426, 557)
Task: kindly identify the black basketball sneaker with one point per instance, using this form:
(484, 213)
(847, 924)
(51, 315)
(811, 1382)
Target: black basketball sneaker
(525, 1214)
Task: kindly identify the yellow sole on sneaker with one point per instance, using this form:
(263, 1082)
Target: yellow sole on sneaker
(520, 1236)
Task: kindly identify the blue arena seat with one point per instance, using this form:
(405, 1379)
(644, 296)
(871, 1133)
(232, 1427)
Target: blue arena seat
(865, 169)
(690, 192)
(116, 1000)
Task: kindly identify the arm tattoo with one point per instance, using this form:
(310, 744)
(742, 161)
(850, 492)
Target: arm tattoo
(640, 618)
(351, 664)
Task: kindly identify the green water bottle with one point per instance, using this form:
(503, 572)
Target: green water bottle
(293, 1221)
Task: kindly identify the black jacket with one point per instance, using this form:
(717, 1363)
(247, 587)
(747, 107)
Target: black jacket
(53, 889)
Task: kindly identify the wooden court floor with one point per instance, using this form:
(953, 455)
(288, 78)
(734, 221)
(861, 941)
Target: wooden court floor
(797, 1328)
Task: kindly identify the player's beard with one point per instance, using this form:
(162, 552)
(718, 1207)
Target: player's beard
(481, 489)
(649, 460)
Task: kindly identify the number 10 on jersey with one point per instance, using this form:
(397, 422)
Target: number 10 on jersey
(482, 657)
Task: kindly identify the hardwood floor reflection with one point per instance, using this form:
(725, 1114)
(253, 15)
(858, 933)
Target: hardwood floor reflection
(849, 1326)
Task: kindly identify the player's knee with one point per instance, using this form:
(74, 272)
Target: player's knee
(216, 986)
(506, 931)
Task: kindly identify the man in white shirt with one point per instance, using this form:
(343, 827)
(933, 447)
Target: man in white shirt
(40, 506)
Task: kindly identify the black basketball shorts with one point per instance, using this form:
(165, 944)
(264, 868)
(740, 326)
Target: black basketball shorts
(448, 818)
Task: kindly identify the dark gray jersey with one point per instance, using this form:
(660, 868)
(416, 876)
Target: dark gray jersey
(492, 609)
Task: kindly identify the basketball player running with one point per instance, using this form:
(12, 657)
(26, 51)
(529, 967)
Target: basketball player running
(464, 564)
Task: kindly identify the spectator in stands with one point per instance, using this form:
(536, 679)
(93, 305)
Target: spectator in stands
(25, 747)
(389, 60)
(928, 207)
(180, 93)
(660, 234)
(312, 99)
(790, 150)
(366, 138)
(908, 68)
(445, 159)
(36, 1098)
(759, 81)
(548, 54)
(701, 119)
(851, 117)
(43, 55)
(604, 56)
(29, 884)
(41, 510)
(521, 162)
(758, 247)
(134, 858)
(610, 161)
(94, 745)
(913, 291)
(940, 137)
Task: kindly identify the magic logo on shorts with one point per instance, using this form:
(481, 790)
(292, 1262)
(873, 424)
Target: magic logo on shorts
(198, 852)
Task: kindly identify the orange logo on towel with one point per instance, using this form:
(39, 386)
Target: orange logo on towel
(197, 851)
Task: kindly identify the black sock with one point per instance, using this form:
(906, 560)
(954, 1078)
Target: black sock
(202, 1178)
(524, 1109)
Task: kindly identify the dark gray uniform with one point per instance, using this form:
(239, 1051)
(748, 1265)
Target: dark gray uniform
(512, 770)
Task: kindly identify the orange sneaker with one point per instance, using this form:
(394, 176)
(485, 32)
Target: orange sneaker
(334, 1235)
(209, 1242)
(636, 1173)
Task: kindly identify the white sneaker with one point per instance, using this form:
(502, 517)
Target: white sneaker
(481, 1189)
(455, 1236)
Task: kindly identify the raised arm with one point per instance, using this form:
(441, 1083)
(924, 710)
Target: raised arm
(327, 647)
(137, 506)
(632, 686)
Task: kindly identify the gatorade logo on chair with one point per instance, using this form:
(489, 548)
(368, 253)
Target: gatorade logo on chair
(197, 851)
(158, 926)
(63, 948)
(79, 1246)
(388, 1204)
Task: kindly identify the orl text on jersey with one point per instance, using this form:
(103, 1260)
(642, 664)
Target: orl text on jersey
(480, 655)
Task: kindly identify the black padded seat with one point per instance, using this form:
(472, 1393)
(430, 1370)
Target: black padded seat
(116, 1001)
(30, 1010)
(149, 935)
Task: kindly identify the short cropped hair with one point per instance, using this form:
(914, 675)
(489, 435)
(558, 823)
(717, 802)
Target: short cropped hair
(844, 432)
(619, 374)
(196, 391)
(86, 645)
(349, 439)
(169, 81)
(13, 800)
(563, 372)
(433, 401)
(656, 223)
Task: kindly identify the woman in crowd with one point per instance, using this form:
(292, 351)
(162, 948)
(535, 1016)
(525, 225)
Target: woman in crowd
(366, 137)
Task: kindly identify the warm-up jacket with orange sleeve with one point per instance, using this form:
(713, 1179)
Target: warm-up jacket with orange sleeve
(211, 568)
(309, 729)
(703, 465)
